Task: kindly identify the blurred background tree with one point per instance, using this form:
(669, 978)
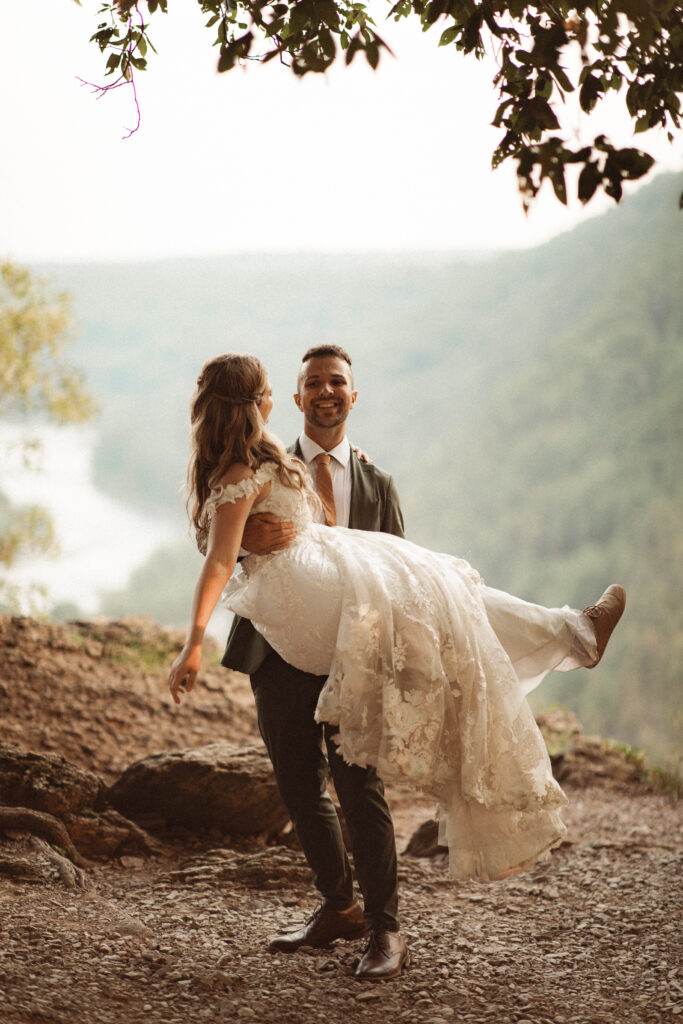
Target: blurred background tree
(37, 382)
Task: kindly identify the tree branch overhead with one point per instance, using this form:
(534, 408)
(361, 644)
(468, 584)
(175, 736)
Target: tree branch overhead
(544, 51)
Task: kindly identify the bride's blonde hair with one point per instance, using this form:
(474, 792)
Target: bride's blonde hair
(226, 427)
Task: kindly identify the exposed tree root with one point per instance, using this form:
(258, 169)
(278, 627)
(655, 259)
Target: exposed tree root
(43, 825)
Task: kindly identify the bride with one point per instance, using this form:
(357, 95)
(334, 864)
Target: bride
(427, 668)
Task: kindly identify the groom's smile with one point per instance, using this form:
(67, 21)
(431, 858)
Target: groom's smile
(325, 394)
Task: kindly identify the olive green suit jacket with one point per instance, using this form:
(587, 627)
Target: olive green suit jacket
(374, 506)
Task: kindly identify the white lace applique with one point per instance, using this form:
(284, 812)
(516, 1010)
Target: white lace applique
(243, 489)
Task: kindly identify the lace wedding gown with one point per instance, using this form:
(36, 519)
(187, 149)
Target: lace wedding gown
(427, 673)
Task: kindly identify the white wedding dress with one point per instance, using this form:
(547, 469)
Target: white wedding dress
(427, 673)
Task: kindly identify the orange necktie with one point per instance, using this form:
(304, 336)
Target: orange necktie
(323, 483)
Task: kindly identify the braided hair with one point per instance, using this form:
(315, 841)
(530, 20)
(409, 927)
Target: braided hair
(227, 427)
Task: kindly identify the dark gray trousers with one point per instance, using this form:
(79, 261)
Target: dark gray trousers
(285, 704)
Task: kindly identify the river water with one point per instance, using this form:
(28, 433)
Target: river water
(101, 541)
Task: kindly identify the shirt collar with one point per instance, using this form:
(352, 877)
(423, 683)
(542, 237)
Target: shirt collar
(310, 448)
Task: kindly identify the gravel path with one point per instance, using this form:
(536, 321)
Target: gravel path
(592, 937)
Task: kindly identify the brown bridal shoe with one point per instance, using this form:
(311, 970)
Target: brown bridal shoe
(322, 928)
(604, 616)
(385, 957)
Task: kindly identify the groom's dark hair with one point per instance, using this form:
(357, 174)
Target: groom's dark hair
(327, 350)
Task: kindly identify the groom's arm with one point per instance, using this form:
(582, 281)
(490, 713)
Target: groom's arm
(264, 533)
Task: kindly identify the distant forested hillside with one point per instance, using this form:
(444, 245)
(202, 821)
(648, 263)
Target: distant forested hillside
(529, 406)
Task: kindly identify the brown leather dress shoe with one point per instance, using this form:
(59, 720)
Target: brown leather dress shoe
(604, 616)
(322, 928)
(385, 957)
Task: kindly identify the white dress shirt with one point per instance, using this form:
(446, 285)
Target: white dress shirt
(340, 471)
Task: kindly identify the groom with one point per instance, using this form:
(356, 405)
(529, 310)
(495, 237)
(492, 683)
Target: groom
(359, 495)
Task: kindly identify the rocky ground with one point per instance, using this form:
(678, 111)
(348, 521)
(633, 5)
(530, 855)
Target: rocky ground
(591, 937)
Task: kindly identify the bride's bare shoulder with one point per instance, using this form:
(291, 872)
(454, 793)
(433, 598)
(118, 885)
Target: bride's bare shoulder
(236, 473)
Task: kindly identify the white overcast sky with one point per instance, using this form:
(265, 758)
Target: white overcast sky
(254, 159)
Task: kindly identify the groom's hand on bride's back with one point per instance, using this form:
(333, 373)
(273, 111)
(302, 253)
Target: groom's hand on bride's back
(264, 533)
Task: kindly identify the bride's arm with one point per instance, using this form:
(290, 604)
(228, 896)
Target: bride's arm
(223, 546)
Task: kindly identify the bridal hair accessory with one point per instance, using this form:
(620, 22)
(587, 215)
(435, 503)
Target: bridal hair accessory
(236, 400)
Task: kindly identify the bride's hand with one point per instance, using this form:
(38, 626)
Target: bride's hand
(360, 454)
(184, 671)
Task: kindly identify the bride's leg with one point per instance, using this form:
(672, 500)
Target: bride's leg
(539, 640)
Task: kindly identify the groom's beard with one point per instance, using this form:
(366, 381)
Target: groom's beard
(332, 417)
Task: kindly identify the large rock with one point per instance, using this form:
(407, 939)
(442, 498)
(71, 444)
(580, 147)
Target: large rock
(108, 835)
(221, 786)
(582, 761)
(47, 782)
(53, 786)
(424, 841)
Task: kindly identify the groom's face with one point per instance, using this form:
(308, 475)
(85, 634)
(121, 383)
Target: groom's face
(325, 394)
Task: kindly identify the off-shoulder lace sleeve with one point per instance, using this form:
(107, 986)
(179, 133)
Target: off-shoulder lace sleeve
(233, 492)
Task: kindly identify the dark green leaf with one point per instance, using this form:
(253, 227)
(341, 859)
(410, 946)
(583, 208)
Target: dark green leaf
(354, 46)
(372, 54)
(590, 91)
(561, 78)
(558, 182)
(543, 87)
(327, 43)
(234, 51)
(498, 119)
(589, 179)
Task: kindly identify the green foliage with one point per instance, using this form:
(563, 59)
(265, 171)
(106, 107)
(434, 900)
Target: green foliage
(143, 645)
(34, 330)
(544, 52)
(662, 778)
(22, 528)
(22, 599)
(667, 778)
(34, 381)
(18, 525)
(634, 755)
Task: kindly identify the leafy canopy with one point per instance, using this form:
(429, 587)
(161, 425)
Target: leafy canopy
(543, 50)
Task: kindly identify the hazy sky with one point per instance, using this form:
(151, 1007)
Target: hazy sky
(251, 160)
